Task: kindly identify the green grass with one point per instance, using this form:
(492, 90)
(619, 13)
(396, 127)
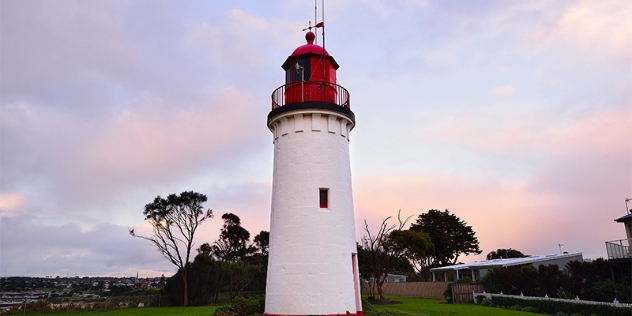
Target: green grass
(411, 305)
(434, 307)
(147, 311)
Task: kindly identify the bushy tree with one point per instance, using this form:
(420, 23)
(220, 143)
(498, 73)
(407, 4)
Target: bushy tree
(415, 246)
(174, 221)
(262, 242)
(551, 280)
(259, 259)
(246, 263)
(241, 275)
(589, 280)
(232, 243)
(206, 279)
(450, 236)
(505, 253)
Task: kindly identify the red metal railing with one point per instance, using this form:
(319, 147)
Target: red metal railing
(618, 249)
(310, 91)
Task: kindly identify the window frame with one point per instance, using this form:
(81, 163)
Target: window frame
(323, 198)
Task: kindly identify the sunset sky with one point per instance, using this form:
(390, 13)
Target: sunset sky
(514, 115)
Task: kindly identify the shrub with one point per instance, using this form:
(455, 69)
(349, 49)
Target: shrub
(530, 309)
(553, 306)
(577, 314)
(248, 306)
(448, 292)
(565, 294)
(366, 306)
(485, 302)
(516, 308)
(602, 290)
(38, 306)
(587, 280)
(593, 314)
(225, 310)
(561, 314)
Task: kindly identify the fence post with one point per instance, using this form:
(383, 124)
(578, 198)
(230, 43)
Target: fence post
(106, 303)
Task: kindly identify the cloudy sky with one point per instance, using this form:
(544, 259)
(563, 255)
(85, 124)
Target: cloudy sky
(514, 115)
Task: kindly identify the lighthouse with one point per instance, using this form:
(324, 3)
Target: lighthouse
(312, 267)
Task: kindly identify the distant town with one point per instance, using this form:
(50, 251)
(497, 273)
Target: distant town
(28, 289)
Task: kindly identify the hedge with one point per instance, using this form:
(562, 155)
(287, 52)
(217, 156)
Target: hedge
(554, 306)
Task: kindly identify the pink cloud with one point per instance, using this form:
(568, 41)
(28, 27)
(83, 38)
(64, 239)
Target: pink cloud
(242, 40)
(587, 25)
(503, 214)
(11, 203)
(149, 140)
(532, 130)
(503, 90)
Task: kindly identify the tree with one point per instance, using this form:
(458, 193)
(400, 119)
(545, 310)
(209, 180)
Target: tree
(233, 240)
(262, 242)
(206, 279)
(416, 246)
(450, 235)
(505, 253)
(174, 221)
(380, 254)
(241, 275)
(586, 280)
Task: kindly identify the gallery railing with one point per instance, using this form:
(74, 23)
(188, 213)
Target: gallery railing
(618, 249)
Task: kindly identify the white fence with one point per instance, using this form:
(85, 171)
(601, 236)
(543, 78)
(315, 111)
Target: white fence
(615, 303)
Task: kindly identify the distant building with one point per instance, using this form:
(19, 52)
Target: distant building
(395, 278)
(619, 254)
(391, 278)
(479, 269)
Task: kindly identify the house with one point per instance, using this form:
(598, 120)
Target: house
(619, 254)
(390, 278)
(395, 278)
(479, 269)
(619, 250)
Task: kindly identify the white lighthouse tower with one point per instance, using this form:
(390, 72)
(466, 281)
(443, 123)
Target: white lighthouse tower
(312, 268)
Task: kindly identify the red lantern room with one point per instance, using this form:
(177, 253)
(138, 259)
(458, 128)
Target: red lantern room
(310, 82)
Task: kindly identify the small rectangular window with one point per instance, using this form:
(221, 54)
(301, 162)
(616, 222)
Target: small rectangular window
(324, 198)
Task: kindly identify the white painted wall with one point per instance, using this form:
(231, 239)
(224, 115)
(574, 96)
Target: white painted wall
(310, 265)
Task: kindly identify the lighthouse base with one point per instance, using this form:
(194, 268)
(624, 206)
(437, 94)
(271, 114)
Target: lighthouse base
(347, 313)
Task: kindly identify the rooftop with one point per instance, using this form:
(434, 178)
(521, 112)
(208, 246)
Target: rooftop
(497, 263)
(624, 218)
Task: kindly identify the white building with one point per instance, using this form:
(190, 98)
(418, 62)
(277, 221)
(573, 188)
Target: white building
(312, 268)
(478, 269)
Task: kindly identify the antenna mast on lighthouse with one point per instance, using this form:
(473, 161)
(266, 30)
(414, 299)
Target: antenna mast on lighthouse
(318, 25)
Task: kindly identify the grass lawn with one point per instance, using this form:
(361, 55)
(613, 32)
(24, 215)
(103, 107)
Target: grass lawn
(434, 307)
(148, 311)
(411, 305)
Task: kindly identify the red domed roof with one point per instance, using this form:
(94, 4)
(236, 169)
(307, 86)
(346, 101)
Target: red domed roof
(310, 47)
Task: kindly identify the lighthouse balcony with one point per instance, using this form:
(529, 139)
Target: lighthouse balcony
(310, 91)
